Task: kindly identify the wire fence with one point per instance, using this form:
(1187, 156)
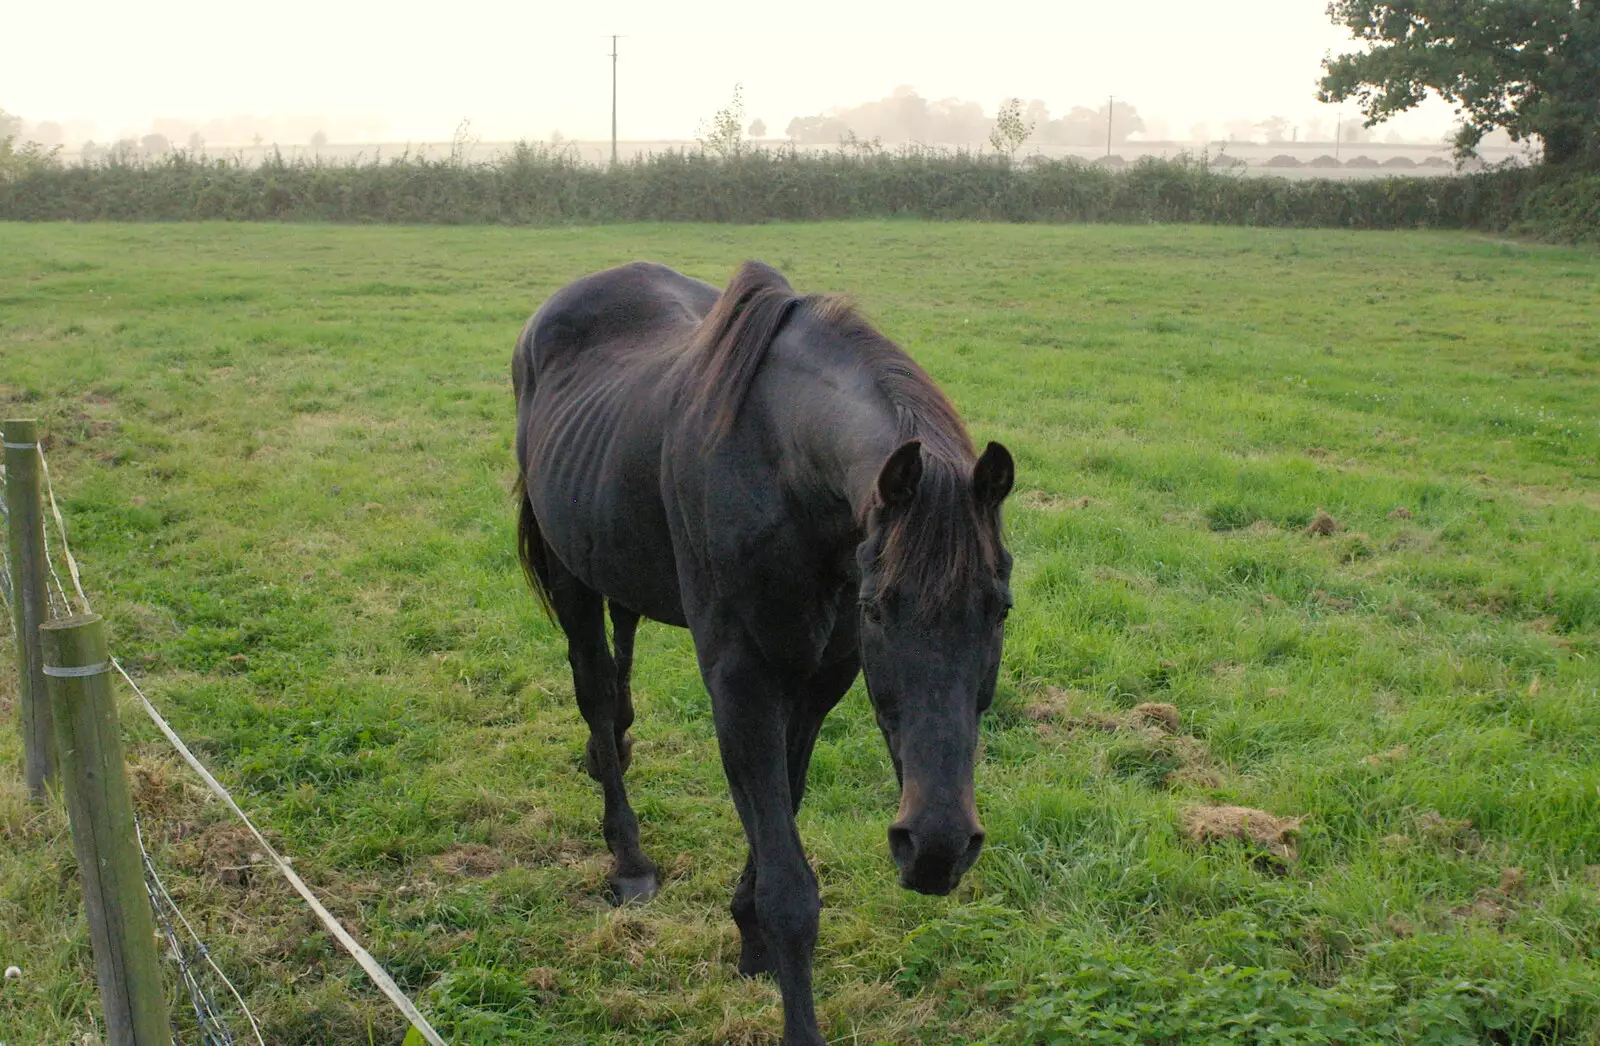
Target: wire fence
(197, 969)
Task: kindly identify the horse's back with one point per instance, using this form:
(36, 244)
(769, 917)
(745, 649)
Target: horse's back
(641, 305)
(591, 371)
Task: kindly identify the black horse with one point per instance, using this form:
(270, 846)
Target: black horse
(770, 472)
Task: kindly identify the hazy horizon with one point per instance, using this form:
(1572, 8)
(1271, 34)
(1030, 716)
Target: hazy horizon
(361, 73)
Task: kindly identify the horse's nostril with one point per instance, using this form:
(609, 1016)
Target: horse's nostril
(902, 846)
(975, 846)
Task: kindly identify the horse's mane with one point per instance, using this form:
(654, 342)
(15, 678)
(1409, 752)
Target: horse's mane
(732, 340)
(940, 542)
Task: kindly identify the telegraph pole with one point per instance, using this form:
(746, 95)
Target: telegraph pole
(613, 100)
(1111, 108)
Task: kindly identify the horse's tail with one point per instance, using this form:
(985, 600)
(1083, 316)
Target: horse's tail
(531, 549)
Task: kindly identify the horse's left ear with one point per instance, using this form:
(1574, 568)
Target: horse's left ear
(993, 476)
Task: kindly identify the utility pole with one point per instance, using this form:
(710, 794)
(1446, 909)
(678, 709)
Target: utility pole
(1111, 109)
(1338, 130)
(613, 100)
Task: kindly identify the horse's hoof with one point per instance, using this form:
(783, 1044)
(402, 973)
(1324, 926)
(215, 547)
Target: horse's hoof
(628, 889)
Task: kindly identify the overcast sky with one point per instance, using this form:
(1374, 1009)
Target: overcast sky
(404, 71)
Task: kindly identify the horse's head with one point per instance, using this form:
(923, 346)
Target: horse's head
(934, 597)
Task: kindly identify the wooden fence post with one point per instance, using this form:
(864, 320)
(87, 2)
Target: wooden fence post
(30, 600)
(89, 745)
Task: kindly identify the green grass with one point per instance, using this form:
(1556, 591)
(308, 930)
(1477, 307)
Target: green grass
(285, 453)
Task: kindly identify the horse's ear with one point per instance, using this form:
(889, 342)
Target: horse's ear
(897, 480)
(993, 476)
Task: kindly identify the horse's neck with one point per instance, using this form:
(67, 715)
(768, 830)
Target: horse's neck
(850, 436)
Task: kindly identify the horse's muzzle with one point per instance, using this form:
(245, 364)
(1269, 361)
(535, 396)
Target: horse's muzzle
(933, 860)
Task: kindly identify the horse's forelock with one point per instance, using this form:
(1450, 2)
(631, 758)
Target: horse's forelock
(941, 542)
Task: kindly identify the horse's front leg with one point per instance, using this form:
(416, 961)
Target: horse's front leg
(752, 704)
(816, 698)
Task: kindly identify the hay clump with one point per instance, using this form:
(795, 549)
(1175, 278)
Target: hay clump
(1269, 833)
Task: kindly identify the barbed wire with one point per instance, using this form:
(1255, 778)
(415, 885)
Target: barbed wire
(213, 1030)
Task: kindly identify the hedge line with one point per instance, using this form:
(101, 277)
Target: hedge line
(537, 186)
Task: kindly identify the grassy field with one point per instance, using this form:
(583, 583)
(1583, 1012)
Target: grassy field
(285, 455)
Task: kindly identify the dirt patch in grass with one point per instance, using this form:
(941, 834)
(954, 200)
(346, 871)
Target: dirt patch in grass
(1046, 502)
(468, 861)
(225, 852)
(1398, 753)
(1496, 904)
(1322, 524)
(1269, 833)
(1448, 833)
(164, 791)
(1147, 742)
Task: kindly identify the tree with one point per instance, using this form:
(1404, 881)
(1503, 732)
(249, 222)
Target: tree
(904, 116)
(10, 126)
(723, 134)
(1531, 67)
(1354, 131)
(758, 128)
(1276, 128)
(1011, 129)
(319, 140)
(155, 144)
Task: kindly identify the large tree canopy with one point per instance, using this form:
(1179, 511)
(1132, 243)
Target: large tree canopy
(1530, 66)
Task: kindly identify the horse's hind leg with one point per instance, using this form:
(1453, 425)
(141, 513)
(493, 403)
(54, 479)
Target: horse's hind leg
(597, 681)
(624, 623)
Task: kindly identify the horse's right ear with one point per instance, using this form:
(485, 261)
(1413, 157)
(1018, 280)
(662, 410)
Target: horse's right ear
(897, 480)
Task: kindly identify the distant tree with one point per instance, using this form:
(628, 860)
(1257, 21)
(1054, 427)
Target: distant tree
(10, 126)
(723, 134)
(816, 130)
(1084, 126)
(1276, 128)
(155, 144)
(905, 116)
(197, 142)
(1531, 67)
(556, 137)
(90, 152)
(319, 140)
(1200, 132)
(256, 139)
(1354, 131)
(49, 133)
(758, 128)
(1011, 128)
